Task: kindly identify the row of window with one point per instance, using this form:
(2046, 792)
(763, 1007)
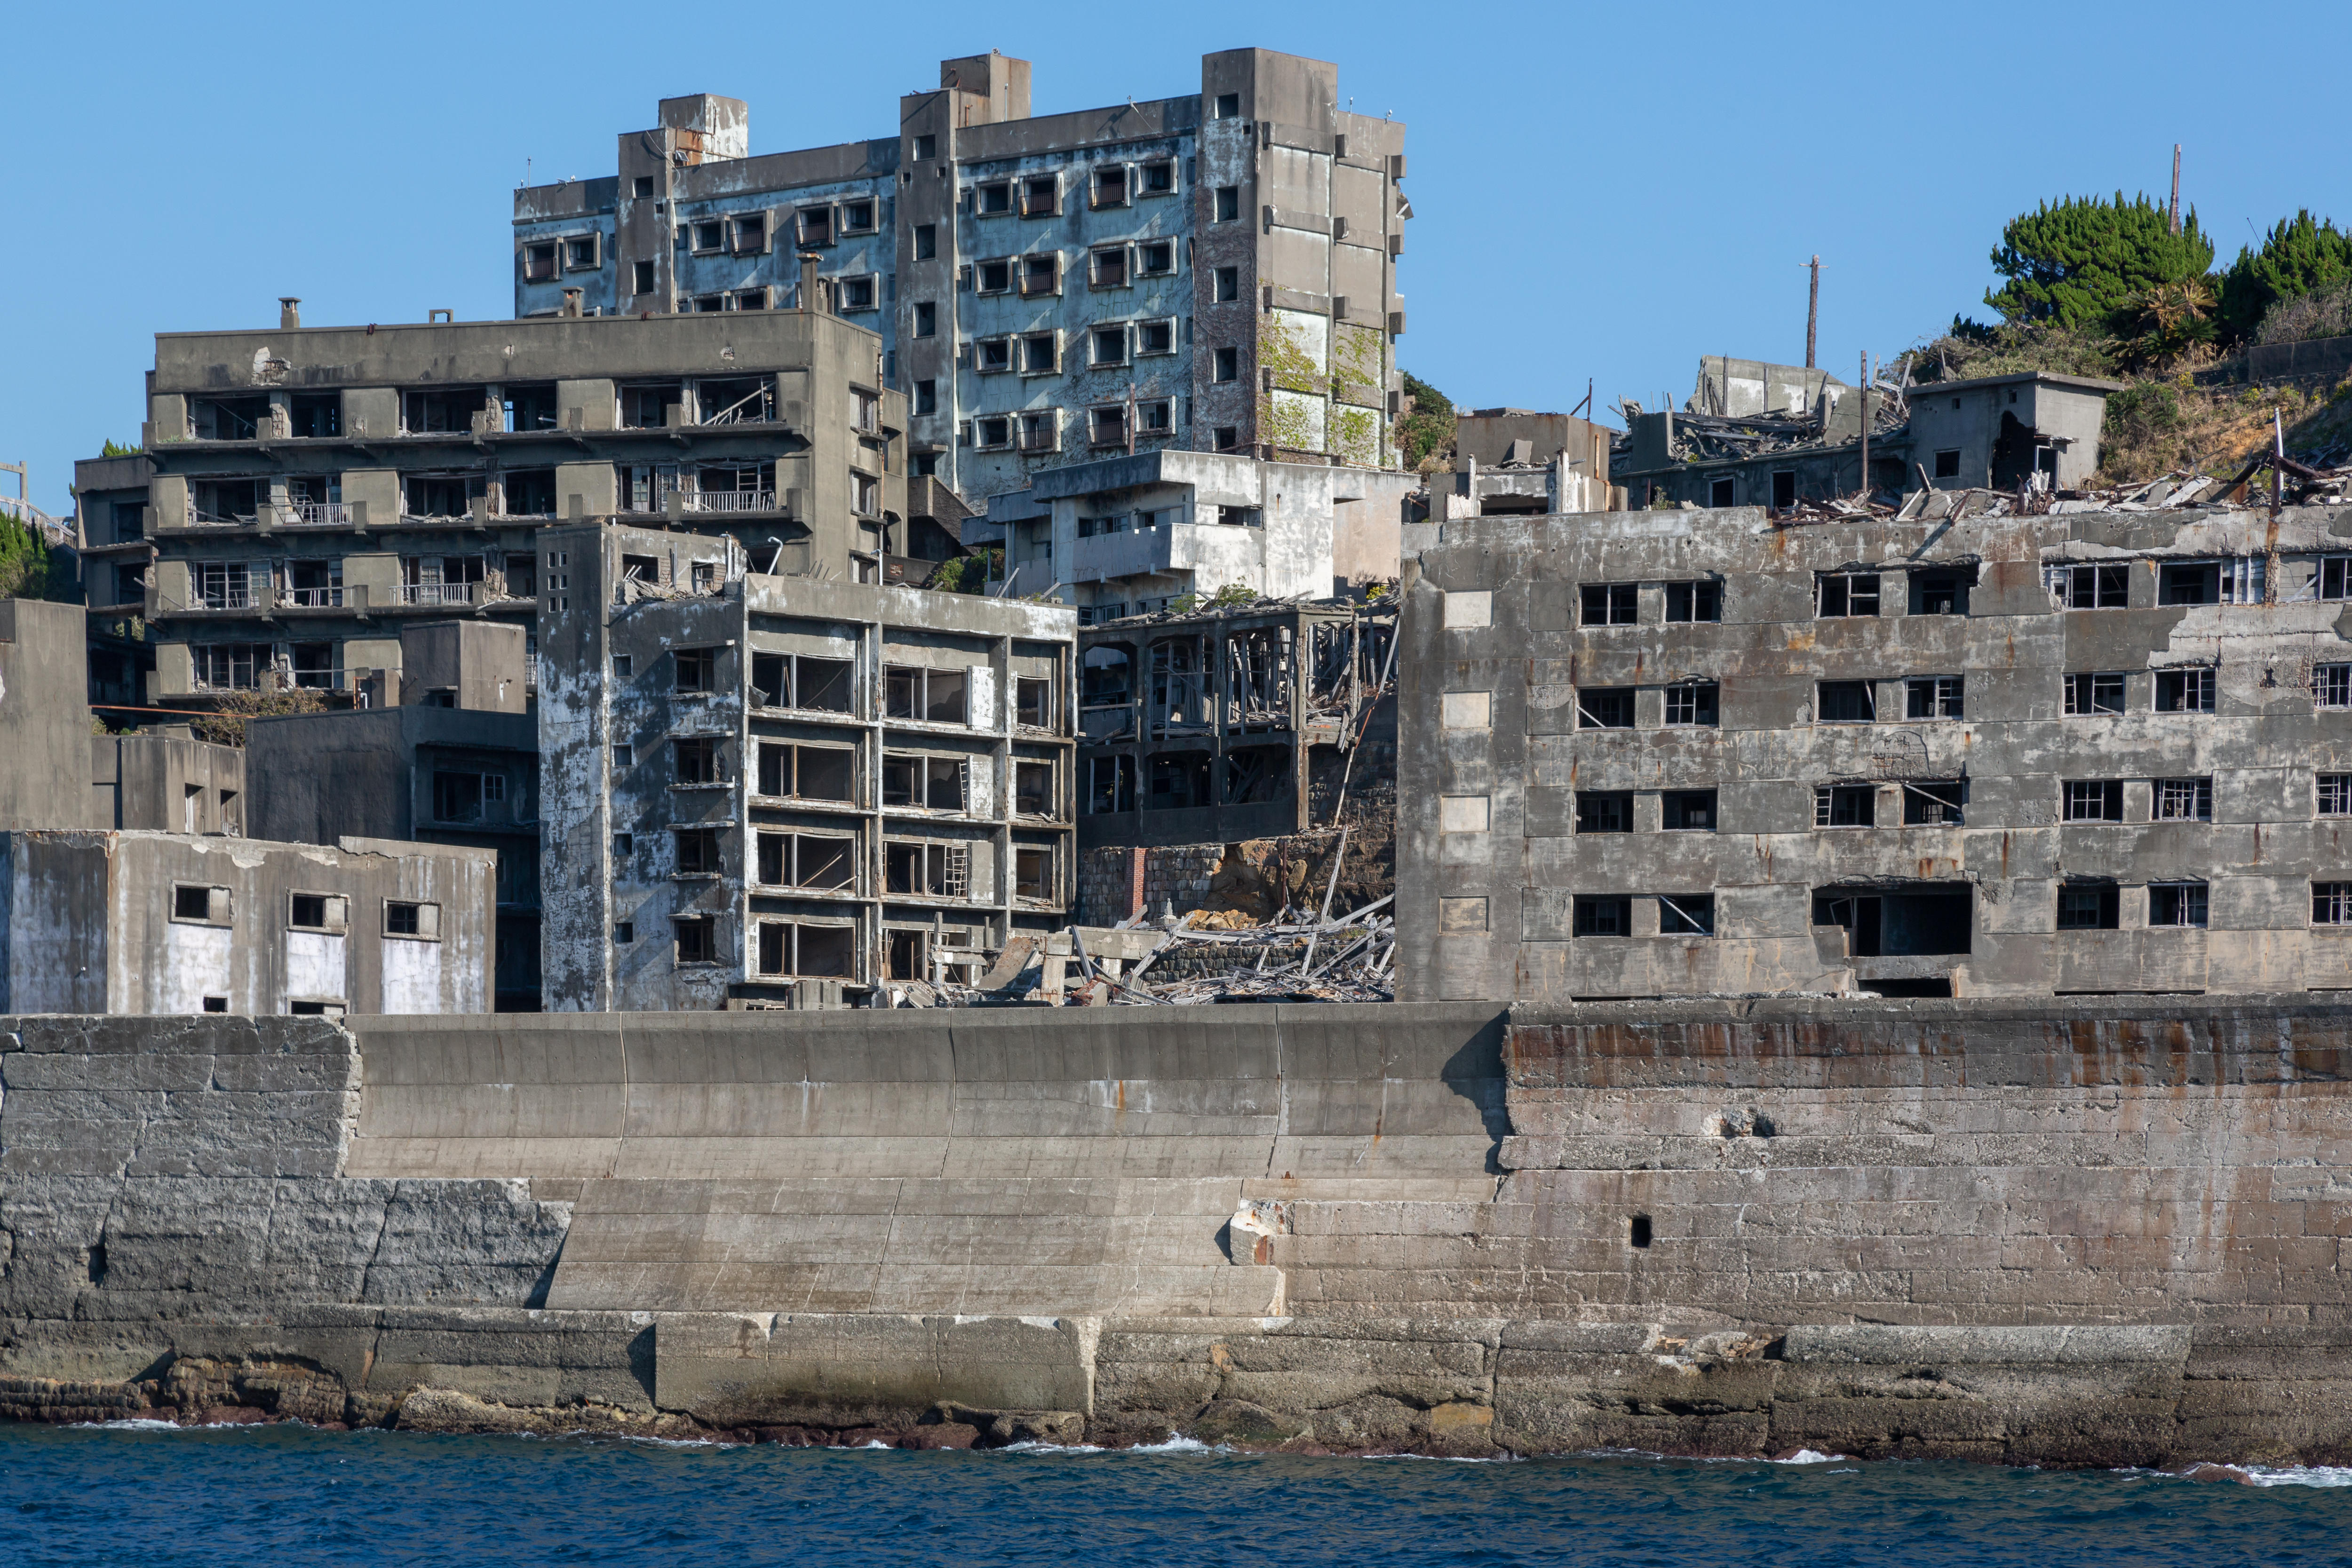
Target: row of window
(827, 862)
(796, 948)
(517, 408)
(790, 770)
(1039, 430)
(2090, 695)
(1939, 802)
(1839, 595)
(1106, 185)
(1037, 274)
(2079, 906)
(197, 903)
(808, 683)
(1109, 344)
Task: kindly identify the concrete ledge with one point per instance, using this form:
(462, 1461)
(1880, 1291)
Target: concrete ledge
(1886, 1346)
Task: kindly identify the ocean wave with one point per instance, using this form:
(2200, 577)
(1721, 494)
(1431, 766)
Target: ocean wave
(2298, 1475)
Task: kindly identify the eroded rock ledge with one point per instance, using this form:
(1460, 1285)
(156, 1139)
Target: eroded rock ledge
(2053, 1395)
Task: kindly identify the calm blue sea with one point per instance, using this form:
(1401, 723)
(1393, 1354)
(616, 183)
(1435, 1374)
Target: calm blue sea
(288, 1495)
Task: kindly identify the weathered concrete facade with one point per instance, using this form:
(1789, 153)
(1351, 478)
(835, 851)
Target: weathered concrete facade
(45, 740)
(1670, 753)
(2080, 1232)
(1214, 271)
(1124, 536)
(755, 782)
(306, 493)
(455, 762)
(170, 923)
(165, 783)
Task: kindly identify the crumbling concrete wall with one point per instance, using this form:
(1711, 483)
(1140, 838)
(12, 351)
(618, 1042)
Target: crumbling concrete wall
(1543, 754)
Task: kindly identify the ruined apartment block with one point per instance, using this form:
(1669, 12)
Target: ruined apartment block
(1125, 536)
(175, 923)
(446, 752)
(1670, 753)
(775, 791)
(1214, 728)
(1214, 271)
(304, 494)
(1758, 435)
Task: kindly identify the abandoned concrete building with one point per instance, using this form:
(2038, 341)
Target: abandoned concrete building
(778, 791)
(446, 752)
(1125, 536)
(166, 782)
(1666, 753)
(1223, 726)
(1758, 435)
(177, 923)
(304, 493)
(1212, 271)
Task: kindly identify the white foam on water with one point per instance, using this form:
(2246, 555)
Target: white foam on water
(140, 1424)
(2298, 1476)
(1176, 1445)
(1812, 1456)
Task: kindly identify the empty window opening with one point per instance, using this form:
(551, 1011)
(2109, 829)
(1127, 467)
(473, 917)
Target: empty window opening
(1686, 915)
(2175, 903)
(1784, 489)
(1033, 703)
(1178, 780)
(1694, 602)
(2331, 903)
(1611, 603)
(1723, 491)
(927, 869)
(1896, 922)
(2184, 800)
(827, 862)
(696, 669)
(1845, 805)
(695, 760)
(1688, 811)
(1033, 789)
(1110, 786)
(1935, 803)
(697, 852)
(1848, 702)
(1848, 593)
(1940, 593)
(1932, 696)
(697, 939)
(2094, 695)
(788, 771)
(1604, 708)
(1033, 871)
(924, 695)
(1637, 1230)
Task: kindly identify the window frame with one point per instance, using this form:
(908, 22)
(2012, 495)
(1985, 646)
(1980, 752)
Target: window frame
(1946, 698)
(1586, 911)
(2111, 799)
(1846, 589)
(2108, 916)
(1703, 700)
(1862, 799)
(1868, 688)
(1620, 603)
(1593, 807)
(2331, 902)
(1587, 718)
(2077, 682)
(1698, 594)
(2191, 902)
(2188, 800)
(1948, 798)
(1685, 913)
(2192, 689)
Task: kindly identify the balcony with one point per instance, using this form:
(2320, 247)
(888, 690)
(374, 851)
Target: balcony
(445, 593)
(729, 500)
(315, 598)
(317, 514)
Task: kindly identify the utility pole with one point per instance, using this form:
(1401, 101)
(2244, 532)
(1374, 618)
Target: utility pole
(1813, 312)
(1865, 427)
(2175, 187)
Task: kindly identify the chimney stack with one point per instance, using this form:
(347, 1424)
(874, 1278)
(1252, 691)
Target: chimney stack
(570, 302)
(289, 311)
(810, 299)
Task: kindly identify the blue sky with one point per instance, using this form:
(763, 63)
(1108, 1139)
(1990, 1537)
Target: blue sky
(1599, 191)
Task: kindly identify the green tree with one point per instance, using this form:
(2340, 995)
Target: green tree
(29, 569)
(1428, 431)
(116, 449)
(2300, 255)
(2082, 263)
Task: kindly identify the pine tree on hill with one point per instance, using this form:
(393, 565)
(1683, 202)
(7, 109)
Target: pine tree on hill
(2084, 262)
(2300, 255)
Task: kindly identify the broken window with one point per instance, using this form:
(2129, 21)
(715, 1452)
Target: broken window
(990, 354)
(1040, 354)
(1694, 602)
(1156, 258)
(2091, 800)
(695, 669)
(1723, 491)
(815, 225)
(2331, 686)
(1604, 708)
(1693, 703)
(1155, 337)
(697, 852)
(1611, 605)
(1110, 186)
(1688, 811)
(2198, 582)
(445, 411)
(1228, 284)
(695, 760)
(2184, 691)
(1041, 431)
(866, 495)
(1109, 345)
(641, 275)
(196, 902)
(1846, 702)
(1934, 802)
(1041, 197)
(1847, 593)
(805, 772)
(2088, 906)
(1940, 593)
(1040, 275)
(1604, 811)
(224, 584)
(317, 912)
(853, 294)
(1947, 464)
(826, 861)
(1033, 871)
(402, 917)
(582, 252)
(2334, 790)
(1601, 916)
(994, 197)
(750, 234)
(1178, 780)
(1033, 789)
(1106, 427)
(924, 695)
(993, 433)
(2094, 695)
(926, 870)
(1257, 775)
(709, 234)
(646, 405)
(857, 217)
(2184, 800)
(317, 414)
(227, 666)
(1032, 702)
(993, 278)
(1229, 203)
(1784, 489)
(1154, 416)
(927, 241)
(2331, 903)
(1227, 368)
(225, 500)
(2175, 903)
(538, 261)
(457, 796)
(696, 938)
(1159, 176)
(1845, 805)
(1932, 696)
(1686, 915)
(1106, 267)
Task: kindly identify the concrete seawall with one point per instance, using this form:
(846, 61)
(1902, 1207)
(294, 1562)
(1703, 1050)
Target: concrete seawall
(2083, 1233)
